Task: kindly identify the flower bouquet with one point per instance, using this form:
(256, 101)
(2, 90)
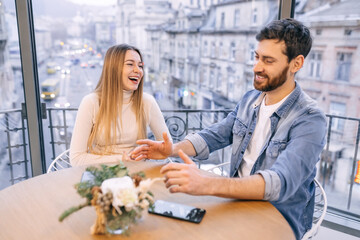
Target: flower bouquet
(118, 198)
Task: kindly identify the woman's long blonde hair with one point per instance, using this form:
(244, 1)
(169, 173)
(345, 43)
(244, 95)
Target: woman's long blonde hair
(110, 92)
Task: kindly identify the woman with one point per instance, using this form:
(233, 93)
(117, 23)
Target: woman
(117, 113)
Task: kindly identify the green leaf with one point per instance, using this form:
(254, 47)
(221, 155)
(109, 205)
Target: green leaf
(72, 210)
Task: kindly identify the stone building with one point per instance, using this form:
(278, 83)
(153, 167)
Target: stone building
(206, 55)
(331, 74)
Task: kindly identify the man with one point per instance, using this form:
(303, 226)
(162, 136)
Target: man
(276, 131)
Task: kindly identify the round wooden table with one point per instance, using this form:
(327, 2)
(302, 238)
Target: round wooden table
(30, 210)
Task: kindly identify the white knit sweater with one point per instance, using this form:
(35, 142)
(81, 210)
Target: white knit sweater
(126, 139)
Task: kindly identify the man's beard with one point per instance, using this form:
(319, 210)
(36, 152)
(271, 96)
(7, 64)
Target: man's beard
(272, 83)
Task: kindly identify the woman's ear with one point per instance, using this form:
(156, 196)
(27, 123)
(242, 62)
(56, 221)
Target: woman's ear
(297, 63)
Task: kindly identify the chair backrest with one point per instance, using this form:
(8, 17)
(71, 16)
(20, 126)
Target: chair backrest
(60, 162)
(217, 169)
(319, 211)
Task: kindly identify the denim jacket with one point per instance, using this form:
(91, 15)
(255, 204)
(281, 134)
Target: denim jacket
(289, 155)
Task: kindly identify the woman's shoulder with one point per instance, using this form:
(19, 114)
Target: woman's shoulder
(149, 99)
(149, 102)
(147, 96)
(90, 99)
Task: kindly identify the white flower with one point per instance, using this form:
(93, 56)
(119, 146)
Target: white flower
(123, 190)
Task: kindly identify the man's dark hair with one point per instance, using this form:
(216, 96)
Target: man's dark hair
(295, 35)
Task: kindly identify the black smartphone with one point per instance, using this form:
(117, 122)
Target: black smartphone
(178, 211)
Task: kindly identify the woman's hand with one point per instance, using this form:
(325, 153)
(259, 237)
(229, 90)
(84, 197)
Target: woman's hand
(152, 149)
(125, 156)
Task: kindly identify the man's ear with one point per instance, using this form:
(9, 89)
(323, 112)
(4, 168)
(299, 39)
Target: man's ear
(297, 63)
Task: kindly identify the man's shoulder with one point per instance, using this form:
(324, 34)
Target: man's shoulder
(306, 106)
(250, 97)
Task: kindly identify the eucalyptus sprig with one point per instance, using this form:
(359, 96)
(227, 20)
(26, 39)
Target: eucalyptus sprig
(84, 188)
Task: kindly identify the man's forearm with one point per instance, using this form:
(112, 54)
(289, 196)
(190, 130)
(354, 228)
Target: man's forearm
(184, 145)
(251, 187)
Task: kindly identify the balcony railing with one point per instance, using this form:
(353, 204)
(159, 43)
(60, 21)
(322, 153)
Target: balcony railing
(336, 169)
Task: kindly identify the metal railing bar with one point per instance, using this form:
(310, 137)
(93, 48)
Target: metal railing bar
(354, 165)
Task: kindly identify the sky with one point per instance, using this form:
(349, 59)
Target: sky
(95, 2)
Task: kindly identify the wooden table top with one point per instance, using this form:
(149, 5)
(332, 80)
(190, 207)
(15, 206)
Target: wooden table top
(30, 210)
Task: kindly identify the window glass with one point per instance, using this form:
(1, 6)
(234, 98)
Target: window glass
(177, 42)
(14, 148)
(329, 76)
(315, 63)
(343, 65)
(237, 18)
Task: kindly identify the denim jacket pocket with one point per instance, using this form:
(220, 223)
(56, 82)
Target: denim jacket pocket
(239, 131)
(275, 148)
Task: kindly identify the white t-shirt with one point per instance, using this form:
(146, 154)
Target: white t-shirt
(126, 139)
(262, 129)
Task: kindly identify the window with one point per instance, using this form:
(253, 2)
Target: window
(231, 86)
(251, 52)
(222, 21)
(254, 16)
(343, 66)
(213, 49)
(220, 54)
(232, 50)
(205, 52)
(338, 109)
(347, 32)
(237, 18)
(14, 127)
(318, 31)
(315, 64)
(219, 81)
(212, 78)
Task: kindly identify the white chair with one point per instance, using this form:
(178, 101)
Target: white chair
(217, 169)
(319, 211)
(60, 162)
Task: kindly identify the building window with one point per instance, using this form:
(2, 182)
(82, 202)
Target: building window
(315, 64)
(232, 50)
(212, 78)
(220, 50)
(222, 21)
(231, 87)
(338, 109)
(218, 81)
(347, 32)
(252, 52)
(343, 66)
(204, 79)
(318, 31)
(213, 47)
(254, 16)
(237, 18)
(205, 49)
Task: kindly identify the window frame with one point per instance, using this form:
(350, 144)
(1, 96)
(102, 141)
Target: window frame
(25, 24)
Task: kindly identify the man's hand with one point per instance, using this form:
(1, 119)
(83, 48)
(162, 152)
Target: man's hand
(152, 149)
(186, 178)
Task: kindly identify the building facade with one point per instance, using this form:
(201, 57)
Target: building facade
(331, 68)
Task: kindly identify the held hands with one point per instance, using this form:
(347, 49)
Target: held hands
(152, 149)
(186, 178)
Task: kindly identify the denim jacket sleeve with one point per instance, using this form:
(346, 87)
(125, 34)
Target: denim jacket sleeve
(297, 162)
(213, 138)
